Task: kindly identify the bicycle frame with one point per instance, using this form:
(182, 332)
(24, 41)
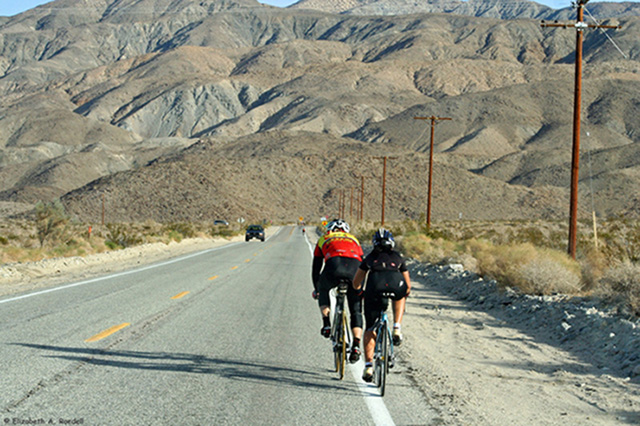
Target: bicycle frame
(383, 355)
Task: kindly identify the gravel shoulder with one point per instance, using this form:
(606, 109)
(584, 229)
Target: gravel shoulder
(486, 358)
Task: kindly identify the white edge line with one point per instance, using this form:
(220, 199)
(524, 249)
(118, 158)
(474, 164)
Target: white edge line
(119, 274)
(375, 403)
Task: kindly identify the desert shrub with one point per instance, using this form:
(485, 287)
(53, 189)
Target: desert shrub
(530, 234)
(531, 269)
(222, 231)
(621, 283)
(51, 221)
(544, 275)
(180, 230)
(120, 236)
(594, 264)
(503, 262)
(4, 240)
(426, 249)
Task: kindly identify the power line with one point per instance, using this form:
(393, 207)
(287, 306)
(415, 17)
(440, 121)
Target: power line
(606, 35)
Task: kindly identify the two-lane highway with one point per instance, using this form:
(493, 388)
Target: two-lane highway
(228, 335)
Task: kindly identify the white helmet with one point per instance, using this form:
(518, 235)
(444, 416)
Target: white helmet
(338, 225)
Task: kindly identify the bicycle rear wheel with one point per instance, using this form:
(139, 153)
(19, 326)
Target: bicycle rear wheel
(382, 361)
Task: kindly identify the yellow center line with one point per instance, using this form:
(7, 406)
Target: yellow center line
(247, 261)
(178, 296)
(235, 267)
(107, 332)
(213, 278)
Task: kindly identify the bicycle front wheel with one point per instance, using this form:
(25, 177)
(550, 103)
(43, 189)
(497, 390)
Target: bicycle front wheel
(336, 337)
(342, 345)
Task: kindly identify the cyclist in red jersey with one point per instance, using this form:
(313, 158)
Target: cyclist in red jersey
(341, 254)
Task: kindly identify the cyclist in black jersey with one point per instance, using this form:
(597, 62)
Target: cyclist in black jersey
(386, 272)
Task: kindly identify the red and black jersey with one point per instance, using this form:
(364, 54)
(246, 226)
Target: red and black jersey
(340, 244)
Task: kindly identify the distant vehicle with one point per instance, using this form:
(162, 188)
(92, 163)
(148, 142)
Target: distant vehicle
(254, 231)
(221, 222)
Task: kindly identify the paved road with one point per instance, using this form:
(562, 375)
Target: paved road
(225, 336)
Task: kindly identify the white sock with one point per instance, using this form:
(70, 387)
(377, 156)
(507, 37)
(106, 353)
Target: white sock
(396, 325)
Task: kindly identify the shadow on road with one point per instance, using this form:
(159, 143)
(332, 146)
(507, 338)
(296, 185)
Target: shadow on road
(275, 374)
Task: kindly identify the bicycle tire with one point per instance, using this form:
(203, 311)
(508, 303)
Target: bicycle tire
(377, 357)
(335, 338)
(384, 355)
(342, 344)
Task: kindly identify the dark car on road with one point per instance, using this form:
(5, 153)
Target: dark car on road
(254, 231)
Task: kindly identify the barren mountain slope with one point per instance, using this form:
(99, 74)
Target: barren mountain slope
(88, 92)
(282, 175)
(504, 9)
(522, 135)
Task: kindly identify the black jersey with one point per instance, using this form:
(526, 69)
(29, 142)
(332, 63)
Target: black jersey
(383, 261)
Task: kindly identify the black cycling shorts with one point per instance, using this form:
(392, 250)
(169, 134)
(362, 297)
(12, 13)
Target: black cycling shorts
(335, 269)
(378, 283)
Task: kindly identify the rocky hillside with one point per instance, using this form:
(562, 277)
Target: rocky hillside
(194, 110)
(503, 9)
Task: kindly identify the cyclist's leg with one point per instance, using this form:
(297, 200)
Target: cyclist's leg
(344, 268)
(324, 286)
(355, 308)
(371, 313)
(398, 310)
(372, 307)
(399, 303)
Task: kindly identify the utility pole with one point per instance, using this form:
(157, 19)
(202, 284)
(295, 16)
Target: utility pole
(362, 178)
(433, 125)
(384, 182)
(580, 25)
(351, 205)
(361, 198)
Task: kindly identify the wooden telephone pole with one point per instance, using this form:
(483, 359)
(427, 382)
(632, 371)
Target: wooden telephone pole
(580, 25)
(362, 178)
(433, 125)
(351, 204)
(384, 182)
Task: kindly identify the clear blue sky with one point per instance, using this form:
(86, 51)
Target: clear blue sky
(13, 7)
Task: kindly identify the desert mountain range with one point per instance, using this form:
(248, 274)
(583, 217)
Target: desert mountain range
(198, 110)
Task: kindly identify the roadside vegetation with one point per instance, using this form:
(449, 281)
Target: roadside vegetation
(530, 256)
(50, 233)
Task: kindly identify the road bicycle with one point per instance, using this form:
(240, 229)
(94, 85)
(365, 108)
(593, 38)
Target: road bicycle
(383, 355)
(340, 333)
